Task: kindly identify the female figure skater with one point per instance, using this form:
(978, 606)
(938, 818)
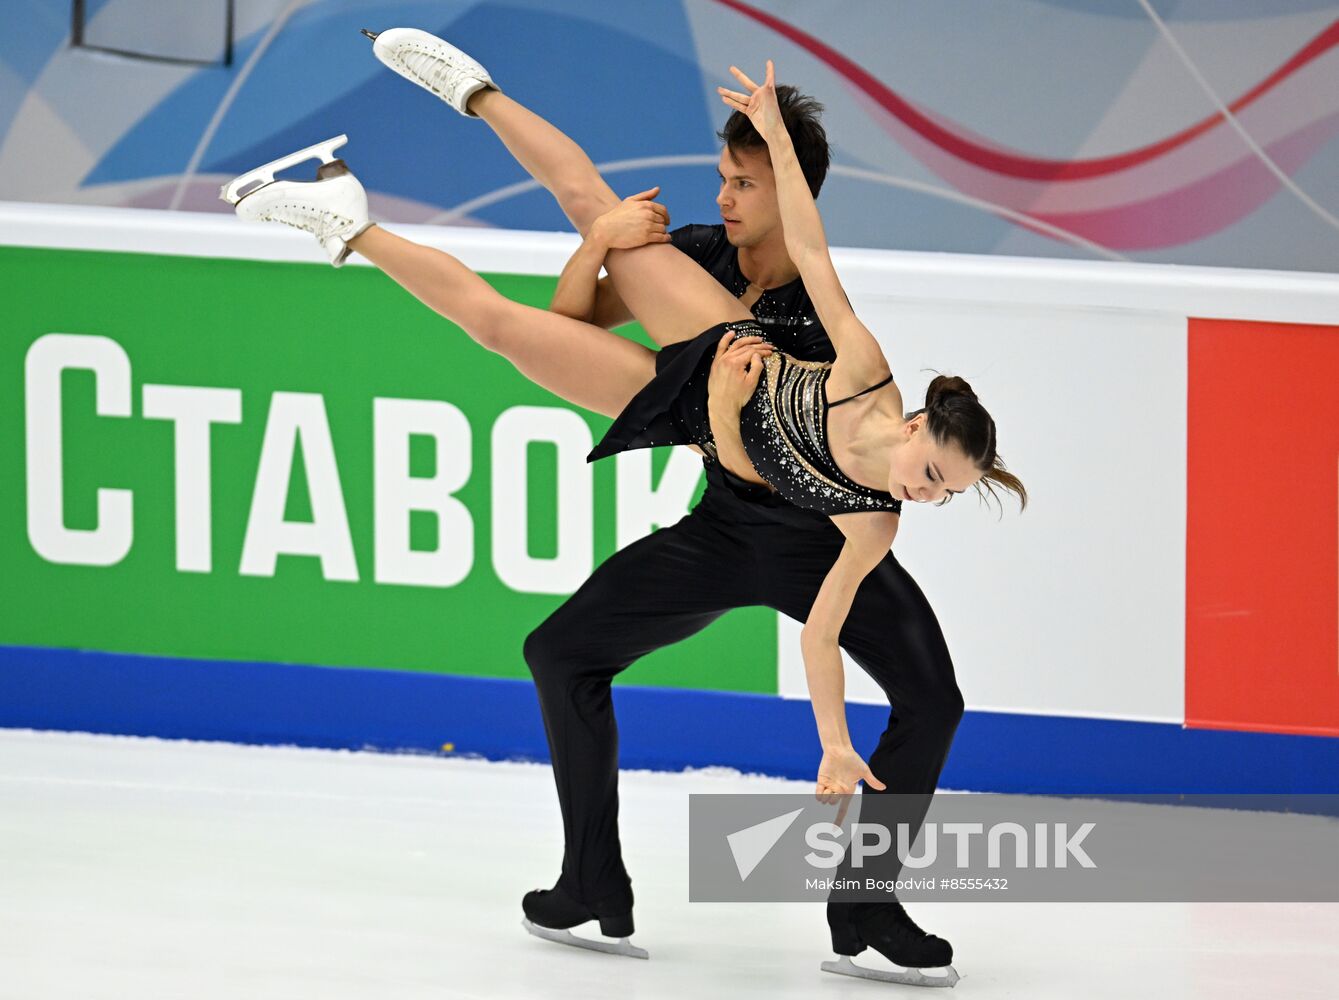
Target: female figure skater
(763, 415)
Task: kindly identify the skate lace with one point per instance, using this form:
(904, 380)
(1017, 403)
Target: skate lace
(434, 72)
(320, 222)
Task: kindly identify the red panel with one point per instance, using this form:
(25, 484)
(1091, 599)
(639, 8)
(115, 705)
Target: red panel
(1262, 532)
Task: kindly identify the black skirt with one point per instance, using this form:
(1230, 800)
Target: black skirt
(672, 408)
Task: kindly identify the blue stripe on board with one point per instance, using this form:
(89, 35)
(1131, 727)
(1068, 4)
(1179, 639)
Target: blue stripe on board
(660, 728)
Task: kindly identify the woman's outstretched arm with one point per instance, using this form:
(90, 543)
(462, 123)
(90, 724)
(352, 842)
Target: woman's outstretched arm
(868, 538)
(857, 350)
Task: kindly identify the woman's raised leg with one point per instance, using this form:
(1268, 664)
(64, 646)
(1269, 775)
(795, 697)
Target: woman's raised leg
(549, 156)
(672, 297)
(583, 364)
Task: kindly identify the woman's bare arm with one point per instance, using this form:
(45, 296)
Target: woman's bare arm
(860, 359)
(868, 537)
(735, 371)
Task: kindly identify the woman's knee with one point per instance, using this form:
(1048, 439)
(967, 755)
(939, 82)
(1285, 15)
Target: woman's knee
(584, 202)
(491, 322)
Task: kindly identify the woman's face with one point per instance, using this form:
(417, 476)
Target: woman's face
(923, 471)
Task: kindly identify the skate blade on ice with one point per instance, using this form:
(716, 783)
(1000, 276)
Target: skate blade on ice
(253, 180)
(907, 977)
(622, 946)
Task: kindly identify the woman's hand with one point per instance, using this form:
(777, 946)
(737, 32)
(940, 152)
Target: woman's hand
(758, 103)
(734, 371)
(633, 222)
(840, 770)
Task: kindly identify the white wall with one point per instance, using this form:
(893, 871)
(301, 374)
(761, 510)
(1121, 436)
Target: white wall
(1078, 605)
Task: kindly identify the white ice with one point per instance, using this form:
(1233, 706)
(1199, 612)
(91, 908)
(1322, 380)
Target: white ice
(139, 869)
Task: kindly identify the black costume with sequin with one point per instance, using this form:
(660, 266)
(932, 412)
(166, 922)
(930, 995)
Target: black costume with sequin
(783, 425)
(785, 313)
(742, 545)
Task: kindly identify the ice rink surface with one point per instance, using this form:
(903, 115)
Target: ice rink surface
(142, 869)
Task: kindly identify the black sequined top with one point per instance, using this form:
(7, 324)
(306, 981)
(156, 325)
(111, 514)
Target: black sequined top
(783, 425)
(786, 313)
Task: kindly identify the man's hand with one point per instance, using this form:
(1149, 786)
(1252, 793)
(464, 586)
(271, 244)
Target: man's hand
(634, 222)
(734, 372)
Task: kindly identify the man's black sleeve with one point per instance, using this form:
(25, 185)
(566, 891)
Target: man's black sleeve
(697, 241)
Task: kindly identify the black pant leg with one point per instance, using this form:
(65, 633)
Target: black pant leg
(657, 591)
(892, 633)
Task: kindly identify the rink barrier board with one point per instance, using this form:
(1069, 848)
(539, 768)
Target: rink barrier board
(1187, 290)
(740, 663)
(219, 327)
(659, 729)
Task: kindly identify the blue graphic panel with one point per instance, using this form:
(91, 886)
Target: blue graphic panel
(46, 28)
(1073, 118)
(406, 143)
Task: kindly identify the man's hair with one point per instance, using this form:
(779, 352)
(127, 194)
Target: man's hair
(801, 115)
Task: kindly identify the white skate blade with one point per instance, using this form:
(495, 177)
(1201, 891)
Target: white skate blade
(253, 180)
(623, 946)
(907, 977)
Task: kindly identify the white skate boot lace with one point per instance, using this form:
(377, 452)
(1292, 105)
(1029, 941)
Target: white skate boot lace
(320, 222)
(435, 71)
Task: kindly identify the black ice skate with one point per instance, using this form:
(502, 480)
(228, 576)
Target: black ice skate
(550, 912)
(887, 929)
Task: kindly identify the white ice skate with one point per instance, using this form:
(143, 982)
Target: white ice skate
(333, 208)
(623, 946)
(907, 977)
(437, 66)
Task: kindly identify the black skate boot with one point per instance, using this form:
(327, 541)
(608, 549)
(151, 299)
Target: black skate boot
(550, 912)
(887, 929)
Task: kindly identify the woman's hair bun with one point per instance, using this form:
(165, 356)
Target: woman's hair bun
(947, 385)
(954, 414)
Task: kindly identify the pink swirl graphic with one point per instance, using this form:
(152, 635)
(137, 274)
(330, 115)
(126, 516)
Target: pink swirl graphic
(1181, 188)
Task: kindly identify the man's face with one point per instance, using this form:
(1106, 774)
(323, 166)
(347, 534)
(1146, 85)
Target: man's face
(748, 196)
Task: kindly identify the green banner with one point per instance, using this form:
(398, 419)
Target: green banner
(214, 459)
